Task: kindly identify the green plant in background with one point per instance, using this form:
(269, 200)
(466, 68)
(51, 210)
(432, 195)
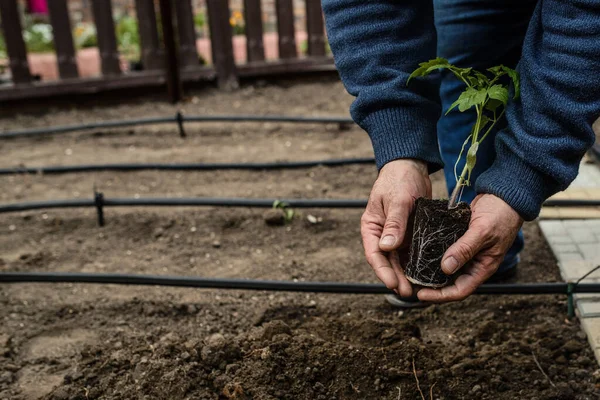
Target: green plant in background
(488, 93)
(38, 36)
(237, 23)
(3, 55)
(304, 47)
(288, 213)
(2, 47)
(200, 23)
(128, 37)
(85, 35)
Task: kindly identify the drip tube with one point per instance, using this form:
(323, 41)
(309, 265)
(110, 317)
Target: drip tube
(289, 286)
(61, 169)
(177, 118)
(226, 202)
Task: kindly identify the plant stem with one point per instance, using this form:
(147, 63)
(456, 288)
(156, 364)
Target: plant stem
(477, 123)
(492, 126)
(461, 182)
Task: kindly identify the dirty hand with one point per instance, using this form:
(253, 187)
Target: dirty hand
(384, 222)
(492, 230)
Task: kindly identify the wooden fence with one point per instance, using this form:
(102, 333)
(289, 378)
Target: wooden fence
(224, 69)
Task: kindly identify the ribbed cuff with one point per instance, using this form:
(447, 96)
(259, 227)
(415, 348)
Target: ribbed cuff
(513, 180)
(403, 133)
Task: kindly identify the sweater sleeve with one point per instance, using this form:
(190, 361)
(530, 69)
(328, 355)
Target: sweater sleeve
(376, 45)
(550, 126)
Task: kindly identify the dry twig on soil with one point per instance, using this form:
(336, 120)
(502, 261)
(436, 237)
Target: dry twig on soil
(542, 370)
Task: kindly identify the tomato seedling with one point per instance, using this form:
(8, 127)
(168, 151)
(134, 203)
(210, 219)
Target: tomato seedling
(488, 93)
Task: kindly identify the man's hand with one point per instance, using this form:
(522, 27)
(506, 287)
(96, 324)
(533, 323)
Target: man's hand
(493, 228)
(385, 220)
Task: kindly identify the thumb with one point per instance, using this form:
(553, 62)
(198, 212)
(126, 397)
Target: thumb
(464, 250)
(394, 228)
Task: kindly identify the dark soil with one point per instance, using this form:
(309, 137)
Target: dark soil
(435, 229)
(66, 341)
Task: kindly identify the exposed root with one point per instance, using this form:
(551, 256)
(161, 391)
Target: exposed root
(431, 392)
(417, 379)
(428, 237)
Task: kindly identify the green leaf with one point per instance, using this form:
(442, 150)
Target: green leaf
(460, 72)
(280, 204)
(498, 92)
(514, 75)
(289, 214)
(426, 67)
(463, 74)
(492, 105)
(468, 99)
(482, 79)
(465, 71)
(436, 67)
(497, 70)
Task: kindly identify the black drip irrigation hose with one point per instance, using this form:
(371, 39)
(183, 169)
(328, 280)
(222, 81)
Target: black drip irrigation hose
(225, 202)
(99, 202)
(178, 118)
(288, 286)
(61, 169)
(54, 130)
(571, 203)
(166, 202)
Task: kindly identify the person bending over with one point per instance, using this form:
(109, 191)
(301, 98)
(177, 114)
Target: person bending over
(555, 47)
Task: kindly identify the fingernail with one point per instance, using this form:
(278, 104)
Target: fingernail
(450, 265)
(388, 240)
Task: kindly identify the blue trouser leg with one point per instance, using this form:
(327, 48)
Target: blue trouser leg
(478, 34)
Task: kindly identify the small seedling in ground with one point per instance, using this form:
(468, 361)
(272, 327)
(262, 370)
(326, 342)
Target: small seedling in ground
(439, 223)
(288, 212)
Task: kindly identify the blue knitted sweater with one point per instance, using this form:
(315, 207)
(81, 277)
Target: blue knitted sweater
(378, 43)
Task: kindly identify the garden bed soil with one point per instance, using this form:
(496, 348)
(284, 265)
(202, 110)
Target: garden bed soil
(68, 341)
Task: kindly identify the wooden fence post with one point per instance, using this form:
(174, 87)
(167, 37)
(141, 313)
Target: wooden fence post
(187, 33)
(221, 43)
(107, 39)
(15, 45)
(315, 28)
(153, 57)
(63, 39)
(173, 74)
(285, 29)
(255, 48)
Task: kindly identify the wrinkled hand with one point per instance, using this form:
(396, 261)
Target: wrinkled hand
(385, 220)
(493, 228)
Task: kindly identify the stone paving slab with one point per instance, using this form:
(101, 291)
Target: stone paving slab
(574, 236)
(592, 327)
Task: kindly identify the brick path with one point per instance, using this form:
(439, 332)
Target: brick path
(574, 236)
